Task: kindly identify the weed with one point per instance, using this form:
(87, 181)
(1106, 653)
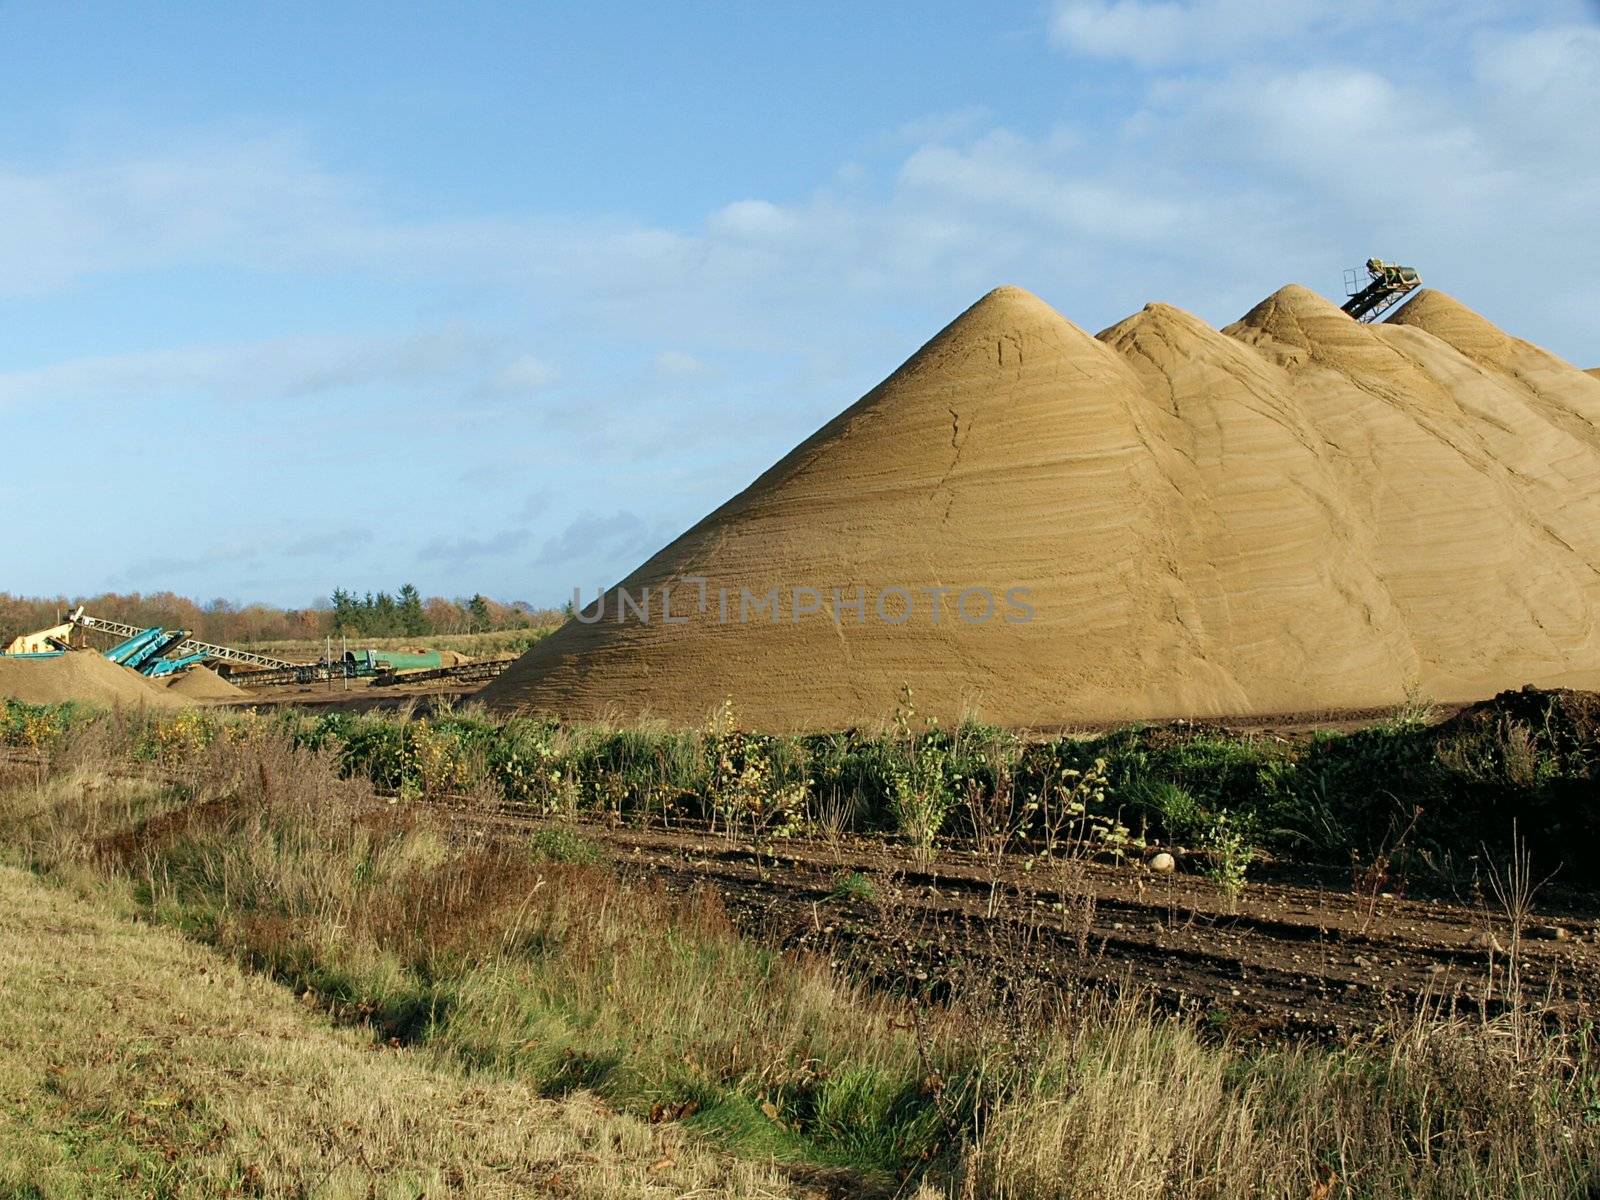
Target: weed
(997, 819)
(561, 844)
(853, 886)
(1370, 880)
(1229, 853)
(920, 789)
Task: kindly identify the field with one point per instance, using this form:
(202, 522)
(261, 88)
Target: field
(496, 644)
(895, 961)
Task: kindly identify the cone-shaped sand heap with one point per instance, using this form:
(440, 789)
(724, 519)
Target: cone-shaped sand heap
(1039, 527)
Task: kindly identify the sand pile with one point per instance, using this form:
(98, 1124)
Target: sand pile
(83, 676)
(1296, 513)
(202, 683)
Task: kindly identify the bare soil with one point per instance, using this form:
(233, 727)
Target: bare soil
(1300, 954)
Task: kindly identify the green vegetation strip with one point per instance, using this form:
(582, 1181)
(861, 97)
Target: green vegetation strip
(1407, 795)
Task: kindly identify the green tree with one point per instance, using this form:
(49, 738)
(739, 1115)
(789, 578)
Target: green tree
(385, 618)
(413, 621)
(346, 613)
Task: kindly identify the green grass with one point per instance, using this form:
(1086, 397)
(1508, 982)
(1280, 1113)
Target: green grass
(853, 886)
(134, 1063)
(557, 843)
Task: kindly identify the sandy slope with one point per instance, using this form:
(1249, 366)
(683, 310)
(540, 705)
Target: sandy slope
(1297, 512)
(81, 675)
(202, 683)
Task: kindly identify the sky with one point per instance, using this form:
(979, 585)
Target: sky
(501, 298)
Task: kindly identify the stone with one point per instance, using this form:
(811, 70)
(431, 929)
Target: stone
(1547, 933)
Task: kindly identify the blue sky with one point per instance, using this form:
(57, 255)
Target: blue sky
(500, 298)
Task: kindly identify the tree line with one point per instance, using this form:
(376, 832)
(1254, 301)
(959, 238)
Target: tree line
(407, 614)
(404, 613)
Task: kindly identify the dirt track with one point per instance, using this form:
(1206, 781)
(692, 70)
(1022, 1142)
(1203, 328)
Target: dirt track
(1298, 958)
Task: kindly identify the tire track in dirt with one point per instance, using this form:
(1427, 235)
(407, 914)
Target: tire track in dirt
(1292, 960)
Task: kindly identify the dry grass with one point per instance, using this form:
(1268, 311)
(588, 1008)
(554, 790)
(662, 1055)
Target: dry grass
(1132, 1108)
(135, 1063)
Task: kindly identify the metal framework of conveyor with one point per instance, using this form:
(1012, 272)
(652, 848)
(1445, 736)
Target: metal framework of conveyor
(186, 647)
(1387, 284)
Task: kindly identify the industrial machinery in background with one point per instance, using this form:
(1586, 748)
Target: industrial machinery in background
(352, 664)
(155, 652)
(46, 643)
(1386, 285)
(152, 651)
(184, 645)
(381, 666)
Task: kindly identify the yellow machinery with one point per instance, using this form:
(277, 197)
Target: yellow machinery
(45, 641)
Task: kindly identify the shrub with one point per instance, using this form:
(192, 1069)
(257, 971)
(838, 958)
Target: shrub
(921, 783)
(531, 769)
(1229, 853)
(744, 786)
(559, 843)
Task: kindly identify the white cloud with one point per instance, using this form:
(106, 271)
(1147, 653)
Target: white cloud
(1068, 192)
(253, 546)
(253, 199)
(753, 219)
(522, 375)
(678, 364)
(946, 126)
(620, 536)
(1543, 65)
(1542, 91)
(1158, 32)
(272, 369)
(1218, 35)
(1334, 131)
(460, 550)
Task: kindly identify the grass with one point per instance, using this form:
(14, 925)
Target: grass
(136, 1063)
(494, 644)
(853, 885)
(558, 844)
(538, 970)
